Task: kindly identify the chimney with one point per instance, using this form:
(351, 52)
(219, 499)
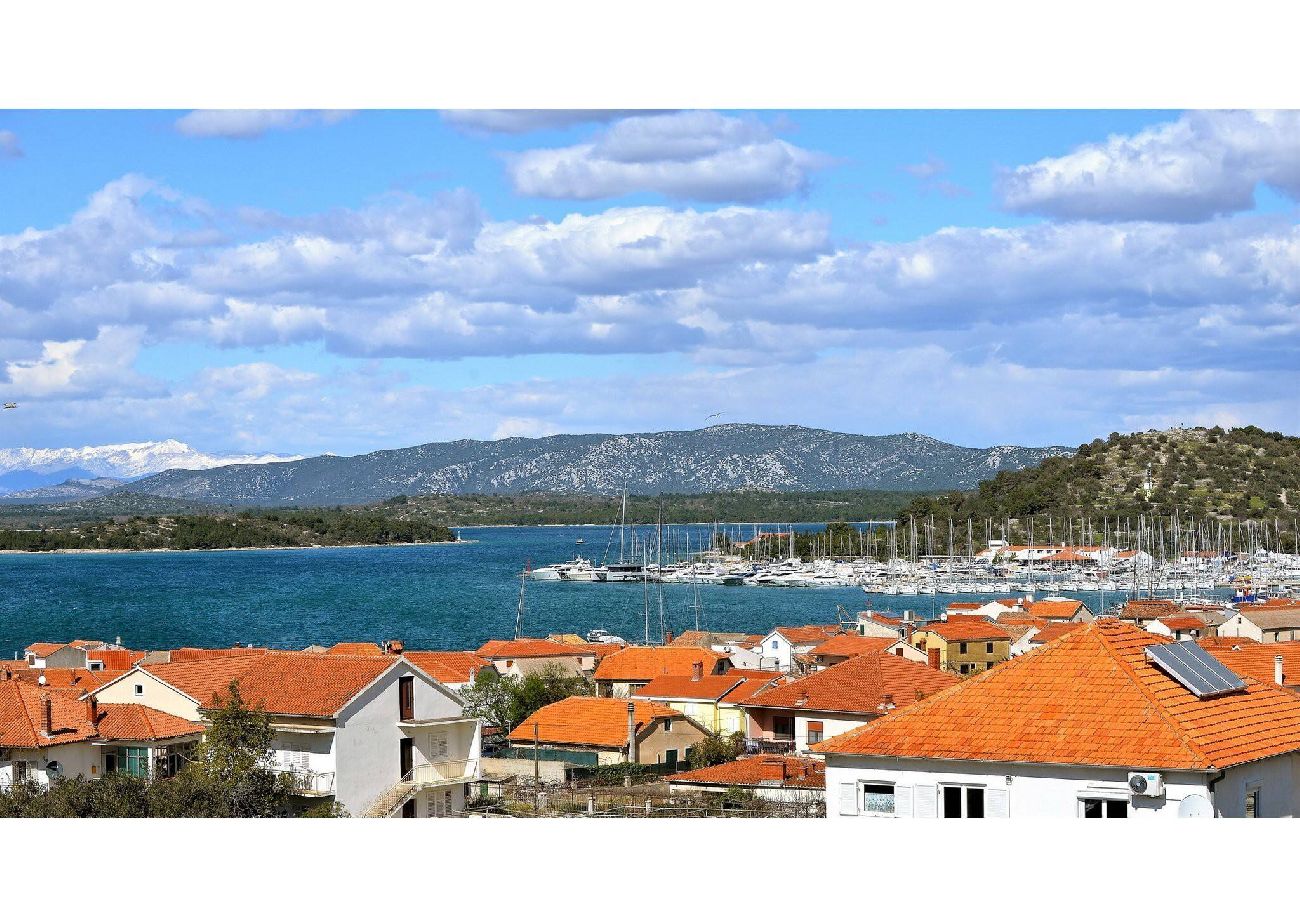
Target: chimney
(47, 707)
(1278, 674)
(889, 701)
(631, 733)
(774, 768)
(908, 628)
(697, 670)
(92, 710)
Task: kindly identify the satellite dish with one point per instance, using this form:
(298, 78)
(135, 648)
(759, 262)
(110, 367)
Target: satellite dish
(53, 768)
(1195, 806)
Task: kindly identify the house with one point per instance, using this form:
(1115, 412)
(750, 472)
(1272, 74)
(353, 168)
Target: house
(770, 776)
(742, 649)
(1268, 626)
(1180, 628)
(49, 733)
(1142, 612)
(374, 733)
(527, 655)
(591, 731)
(847, 646)
(871, 623)
(799, 713)
(963, 645)
(72, 655)
(780, 646)
(1022, 632)
(622, 673)
(710, 700)
(1276, 663)
(1059, 609)
(1062, 733)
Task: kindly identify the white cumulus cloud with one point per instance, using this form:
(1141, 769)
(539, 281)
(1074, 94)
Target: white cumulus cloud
(252, 123)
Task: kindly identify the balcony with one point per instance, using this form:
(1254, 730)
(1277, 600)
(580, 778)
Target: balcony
(447, 771)
(310, 784)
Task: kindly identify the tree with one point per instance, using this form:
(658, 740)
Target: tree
(716, 749)
(548, 685)
(488, 698)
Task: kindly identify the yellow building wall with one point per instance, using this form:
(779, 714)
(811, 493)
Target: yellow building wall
(977, 656)
(156, 695)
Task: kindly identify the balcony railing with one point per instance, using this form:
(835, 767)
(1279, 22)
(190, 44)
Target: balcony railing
(308, 783)
(443, 772)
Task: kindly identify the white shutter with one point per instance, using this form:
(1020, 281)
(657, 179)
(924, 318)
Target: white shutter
(849, 799)
(995, 804)
(903, 801)
(927, 801)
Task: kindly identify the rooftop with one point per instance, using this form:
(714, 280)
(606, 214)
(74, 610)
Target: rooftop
(686, 687)
(967, 628)
(590, 721)
(762, 770)
(853, 645)
(525, 648)
(647, 663)
(1090, 698)
(447, 666)
(859, 684)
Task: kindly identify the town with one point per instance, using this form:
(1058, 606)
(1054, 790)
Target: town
(1014, 707)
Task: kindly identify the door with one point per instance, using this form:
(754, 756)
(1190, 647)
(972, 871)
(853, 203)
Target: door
(670, 758)
(408, 809)
(407, 763)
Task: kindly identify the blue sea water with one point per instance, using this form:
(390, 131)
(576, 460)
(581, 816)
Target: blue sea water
(437, 596)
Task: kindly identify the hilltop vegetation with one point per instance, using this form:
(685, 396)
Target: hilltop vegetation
(1206, 473)
(285, 528)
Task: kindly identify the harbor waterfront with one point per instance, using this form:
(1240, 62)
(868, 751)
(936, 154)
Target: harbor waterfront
(438, 596)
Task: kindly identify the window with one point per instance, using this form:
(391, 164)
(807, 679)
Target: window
(815, 730)
(783, 728)
(988, 648)
(1252, 803)
(878, 799)
(1102, 808)
(132, 761)
(95, 665)
(965, 668)
(963, 647)
(406, 697)
(139, 690)
(776, 645)
(668, 724)
(962, 801)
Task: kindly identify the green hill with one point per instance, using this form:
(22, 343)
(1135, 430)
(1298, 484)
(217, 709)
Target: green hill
(1206, 473)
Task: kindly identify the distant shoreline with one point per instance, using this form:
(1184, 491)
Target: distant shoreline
(84, 551)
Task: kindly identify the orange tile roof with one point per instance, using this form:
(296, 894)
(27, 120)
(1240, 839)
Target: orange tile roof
(447, 666)
(647, 663)
(44, 648)
(305, 684)
(967, 628)
(1183, 623)
(1250, 659)
(135, 722)
(964, 604)
(1148, 609)
(853, 645)
(747, 688)
(189, 654)
(199, 679)
(684, 687)
(22, 717)
(116, 660)
(1050, 631)
(590, 721)
(525, 648)
(1053, 609)
(355, 648)
(80, 680)
(857, 685)
(807, 634)
(1090, 698)
(761, 770)
(756, 674)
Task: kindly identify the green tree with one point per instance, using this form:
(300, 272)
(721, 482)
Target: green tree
(716, 749)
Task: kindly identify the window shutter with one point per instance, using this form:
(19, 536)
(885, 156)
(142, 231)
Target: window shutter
(849, 799)
(927, 802)
(903, 801)
(995, 804)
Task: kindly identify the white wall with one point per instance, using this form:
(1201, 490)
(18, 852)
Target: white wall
(75, 759)
(1032, 791)
(367, 742)
(157, 695)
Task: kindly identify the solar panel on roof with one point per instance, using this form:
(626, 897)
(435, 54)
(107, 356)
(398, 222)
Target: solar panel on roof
(1195, 669)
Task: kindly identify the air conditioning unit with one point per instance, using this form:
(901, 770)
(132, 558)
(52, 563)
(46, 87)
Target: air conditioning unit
(1146, 784)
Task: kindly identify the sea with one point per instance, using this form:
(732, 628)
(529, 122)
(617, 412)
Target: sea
(429, 596)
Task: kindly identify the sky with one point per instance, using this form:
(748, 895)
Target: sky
(306, 282)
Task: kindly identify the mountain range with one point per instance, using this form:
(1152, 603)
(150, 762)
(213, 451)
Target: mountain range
(720, 458)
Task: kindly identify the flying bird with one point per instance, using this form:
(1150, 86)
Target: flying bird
(11, 406)
(714, 416)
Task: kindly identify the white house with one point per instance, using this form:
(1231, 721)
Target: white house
(1096, 724)
(779, 646)
(375, 733)
(1266, 625)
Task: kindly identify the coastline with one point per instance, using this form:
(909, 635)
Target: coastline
(84, 551)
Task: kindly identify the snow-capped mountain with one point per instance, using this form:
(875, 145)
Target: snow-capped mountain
(123, 460)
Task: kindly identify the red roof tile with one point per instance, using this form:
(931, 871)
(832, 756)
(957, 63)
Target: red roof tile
(306, 684)
(799, 635)
(447, 666)
(647, 663)
(134, 722)
(526, 648)
(1250, 659)
(590, 721)
(1053, 609)
(22, 717)
(853, 645)
(1050, 631)
(762, 770)
(685, 687)
(857, 685)
(1089, 698)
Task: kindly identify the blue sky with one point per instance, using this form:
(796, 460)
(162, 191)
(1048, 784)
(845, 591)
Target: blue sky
(302, 282)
